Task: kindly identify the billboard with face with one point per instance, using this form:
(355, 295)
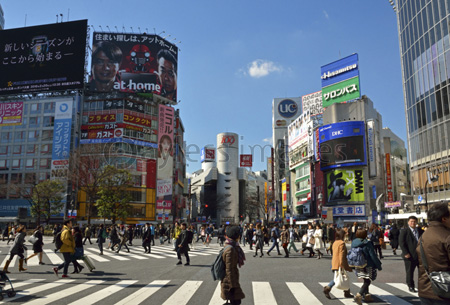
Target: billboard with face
(43, 58)
(137, 63)
(345, 185)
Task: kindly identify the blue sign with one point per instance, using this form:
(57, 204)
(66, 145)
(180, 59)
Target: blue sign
(287, 108)
(420, 198)
(374, 192)
(10, 208)
(349, 210)
(62, 130)
(342, 144)
(339, 70)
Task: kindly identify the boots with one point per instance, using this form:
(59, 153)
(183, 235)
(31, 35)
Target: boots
(347, 294)
(358, 299)
(5, 269)
(21, 268)
(326, 291)
(368, 298)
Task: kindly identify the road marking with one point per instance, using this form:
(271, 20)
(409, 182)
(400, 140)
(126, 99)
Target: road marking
(263, 294)
(343, 300)
(36, 289)
(64, 293)
(115, 256)
(167, 254)
(96, 257)
(384, 295)
(24, 283)
(170, 252)
(132, 255)
(54, 259)
(184, 293)
(216, 299)
(101, 294)
(142, 294)
(34, 261)
(147, 254)
(302, 294)
(404, 288)
(13, 262)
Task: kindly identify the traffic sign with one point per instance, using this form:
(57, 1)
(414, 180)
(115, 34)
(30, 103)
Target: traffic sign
(187, 212)
(419, 198)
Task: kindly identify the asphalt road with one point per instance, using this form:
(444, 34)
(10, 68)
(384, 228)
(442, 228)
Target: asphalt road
(138, 278)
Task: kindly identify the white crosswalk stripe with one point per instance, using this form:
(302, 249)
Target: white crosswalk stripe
(263, 294)
(302, 294)
(384, 295)
(53, 257)
(183, 294)
(403, 287)
(94, 256)
(99, 295)
(142, 294)
(147, 254)
(216, 299)
(37, 289)
(338, 294)
(115, 255)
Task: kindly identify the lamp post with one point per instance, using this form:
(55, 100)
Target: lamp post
(429, 180)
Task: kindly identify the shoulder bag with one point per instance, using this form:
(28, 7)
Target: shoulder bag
(341, 279)
(440, 280)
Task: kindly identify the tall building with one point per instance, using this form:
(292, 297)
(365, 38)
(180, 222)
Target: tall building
(2, 18)
(425, 58)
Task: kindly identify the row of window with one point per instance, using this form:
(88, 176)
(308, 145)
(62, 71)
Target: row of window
(430, 141)
(28, 164)
(29, 149)
(120, 104)
(302, 171)
(113, 117)
(20, 136)
(301, 186)
(140, 135)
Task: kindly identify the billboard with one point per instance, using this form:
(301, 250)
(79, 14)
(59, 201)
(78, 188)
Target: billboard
(284, 110)
(43, 58)
(340, 81)
(342, 144)
(208, 154)
(345, 185)
(371, 153)
(313, 103)
(246, 161)
(11, 113)
(349, 210)
(137, 63)
(395, 204)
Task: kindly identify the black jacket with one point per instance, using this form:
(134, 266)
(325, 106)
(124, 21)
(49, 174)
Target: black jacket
(408, 242)
(183, 239)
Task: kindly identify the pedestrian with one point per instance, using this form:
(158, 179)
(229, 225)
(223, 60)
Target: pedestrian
(233, 257)
(18, 248)
(339, 260)
(331, 232)
(292, 238)
(192, 229)
(12, 234)
(101, 238)
(353, 231)
(183, 244)
(152, 234)
(162, 232)
(308, 238)
(87, 235)
(394, 234)
(175, 234)
(79, 251)
(209, 234)
(244, 235)
(5, 233)
(436, 247)
(38, 244)
(274, 235)
(374, 236)
(318, 242)
(201, 234)
(123, 236)
(221, 235)
(55, 231)
(408, 241)
(168, 234)
(114, 237)
(249, 236)
(369, 272)
(146, 243)
(266, 234)
(259, 240)
(285, 238)
(130, 235)
(67, 248)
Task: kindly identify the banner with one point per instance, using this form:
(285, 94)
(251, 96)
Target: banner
(207, 155)
(345, 185)
(164, 187)
(349, 210)
(43, 58)
(246, 161)
(394, 204)
(135, 63)
(371, 153)
(11, 113)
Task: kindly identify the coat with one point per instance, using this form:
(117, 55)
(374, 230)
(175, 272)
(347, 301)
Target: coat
(285, 237)
(18, 245)
(408, 243)
(231, 279)
(309, 234)
(436, 245)
(369, 252)
(394, 234)
(68, 242)
(318, 242)
(339, 258)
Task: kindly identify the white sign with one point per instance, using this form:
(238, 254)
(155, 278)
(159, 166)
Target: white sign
(313, 103)
(164, 187)
(371, 152)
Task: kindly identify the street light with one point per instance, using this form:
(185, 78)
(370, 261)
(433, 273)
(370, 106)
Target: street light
(430, 179)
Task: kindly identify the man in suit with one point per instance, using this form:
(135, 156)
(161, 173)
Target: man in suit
(408, 241)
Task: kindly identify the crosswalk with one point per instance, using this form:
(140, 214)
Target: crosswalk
(169, 292)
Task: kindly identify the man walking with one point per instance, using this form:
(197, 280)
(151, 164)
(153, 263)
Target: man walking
(87, 235)
(152, 234)
(274, 235)
(184, 239)
(250, 236)
(331, 233)
(146, 238)
(67, 248)
(408, 240)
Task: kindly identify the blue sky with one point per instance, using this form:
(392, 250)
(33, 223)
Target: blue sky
(236, 56)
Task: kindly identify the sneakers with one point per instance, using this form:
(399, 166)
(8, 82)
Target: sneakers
(358, 299)
(368, 298)
(55, 271)
(65, 276)
(187, 264)
(179, 263)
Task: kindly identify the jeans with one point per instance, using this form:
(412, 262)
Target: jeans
(365, 287)
(120, 247)
(100, 246)
(274, 244)
(67, 260)
(331, 284)
(183, 251)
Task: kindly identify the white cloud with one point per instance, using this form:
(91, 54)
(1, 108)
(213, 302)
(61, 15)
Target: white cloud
(267, 140)
(260, 68)
(326, 14)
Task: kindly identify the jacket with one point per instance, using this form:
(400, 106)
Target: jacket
(318, 242)
(394, 234)
(436, 246)
(18, 245)
(67, 240)
(369, 252)
(339, 258)
(183, 240)
(285, 237)
(176, 232)
(408, 242)
(231, 279)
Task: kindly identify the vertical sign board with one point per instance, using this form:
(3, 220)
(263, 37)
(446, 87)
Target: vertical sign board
(371, 151)
(246, 160)
(265, 197)
(389, 177)
(284, 195)
(61, 139)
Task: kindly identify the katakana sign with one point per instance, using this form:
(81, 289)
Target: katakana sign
(11, 113)
(341, 92)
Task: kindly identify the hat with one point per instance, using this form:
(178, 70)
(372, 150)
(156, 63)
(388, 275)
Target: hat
(233, 232)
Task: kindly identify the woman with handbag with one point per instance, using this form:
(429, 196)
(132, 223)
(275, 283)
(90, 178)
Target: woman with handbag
(79, 250)
(18, 248)
(259, 240)
(338, 263)
(310, 241)
(318, 242)
(285, 240)
(37, 244)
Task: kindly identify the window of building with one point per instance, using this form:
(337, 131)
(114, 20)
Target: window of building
(35, 108)
(31, 148)
(4, 178)
(154, 124)
(33, 135)
(49, 107)
(49, 121)
(47, 135)
(5, 137)
(16, 163)
(34, 121)
(17, 149)
(16, 178)
(3, 164)
(44, 163)
(3, 150)
(29, 163)
(18, 136)
(30, 178)
(46, 148)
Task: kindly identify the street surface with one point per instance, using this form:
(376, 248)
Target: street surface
(138, 278)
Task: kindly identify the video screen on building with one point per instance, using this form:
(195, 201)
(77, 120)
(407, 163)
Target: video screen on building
(341, 151)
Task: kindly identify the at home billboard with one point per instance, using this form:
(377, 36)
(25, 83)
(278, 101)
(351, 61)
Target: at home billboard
(43, 58)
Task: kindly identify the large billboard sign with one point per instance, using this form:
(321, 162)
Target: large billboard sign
(313, 103)
(300, 132)
(43, 58)
(137, 63)
(340, 81)
(61, 139)
(342, 144)
(345, 185)
(11, 113)
(284, 110)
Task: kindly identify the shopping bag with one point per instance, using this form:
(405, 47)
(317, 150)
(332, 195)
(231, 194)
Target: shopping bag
(341, 279)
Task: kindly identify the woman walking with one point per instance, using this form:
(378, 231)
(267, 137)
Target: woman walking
(285, 240)
(79, 250)
(369, 272)
(101, 238)
(292, 235)
(393, 236)
(37, 246)
(318, 242)
(259, 240)
(233, 257)
(339, 260)
(18, 248)
(308, 240)
(374, 237)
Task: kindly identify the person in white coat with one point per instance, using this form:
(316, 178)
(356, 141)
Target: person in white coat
(318, 242)
(307, 240)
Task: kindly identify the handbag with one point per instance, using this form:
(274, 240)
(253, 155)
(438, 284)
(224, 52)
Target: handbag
(440, 280)
(33, 239)
(341, 279)
(79, 253)
(312, 240)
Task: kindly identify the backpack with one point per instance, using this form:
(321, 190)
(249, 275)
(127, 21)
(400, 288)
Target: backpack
(356, 258)
(218, 267)
(189, 236)
(104, 234)
(58, 241)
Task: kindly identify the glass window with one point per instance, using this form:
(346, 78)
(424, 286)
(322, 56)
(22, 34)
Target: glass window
(30, 178)
(35, 108)
(46, 148)
(31, 149)
(48, 121)
(3, 164)
(3, 150)
(445, 101)
(17, 149)
(16, 178)
(5, 137)
(33, 135)
(47, 135)
(16, 163)
(44, 163)
(49, 107)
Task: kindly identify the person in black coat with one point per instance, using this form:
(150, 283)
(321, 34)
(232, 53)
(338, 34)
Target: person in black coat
(38, 244)
(394, 234)
(408, 241)
(146, 239)
(79, 250)
(183, 244)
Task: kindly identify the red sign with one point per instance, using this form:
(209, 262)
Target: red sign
(101, 126)
(137, 120)
(210, 154)
(151, 174)
(164, 204)
(102, 118)
(390, 197)
(246, 160)
(228, 140)
(388, 174)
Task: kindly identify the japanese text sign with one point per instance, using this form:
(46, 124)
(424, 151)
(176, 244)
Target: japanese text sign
(11, 113)
(246, 161)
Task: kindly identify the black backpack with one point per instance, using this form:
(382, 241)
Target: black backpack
(189, 236)
(58, 241)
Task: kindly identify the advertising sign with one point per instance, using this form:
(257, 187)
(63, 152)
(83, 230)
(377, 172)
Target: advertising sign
(163, 204)
(342, 144)
(11, 113)
(246, 161)
(388, 172)
(265, 197)
(349, 210)
(394, 204)
(102, 118)
(43, 58)
(371, 153)
(284, 110)
(165, 141)
(119, 140)
(62, 128)
(164, 187)
(137, 63)
(345, 185)
(208, 154)
(299, 130)
(340, 81)
(312, 103)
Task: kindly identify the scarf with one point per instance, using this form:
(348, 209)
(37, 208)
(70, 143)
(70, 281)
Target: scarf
(241, 255)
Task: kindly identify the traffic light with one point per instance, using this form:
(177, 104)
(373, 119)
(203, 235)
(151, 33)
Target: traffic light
(418, 210)
(206, 205)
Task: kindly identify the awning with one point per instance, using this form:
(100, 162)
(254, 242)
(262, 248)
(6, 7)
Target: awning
(422, 215)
